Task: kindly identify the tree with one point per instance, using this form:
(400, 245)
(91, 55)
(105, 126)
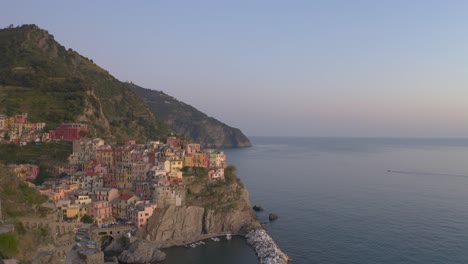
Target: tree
(8, 245)
(43, 175)
(87, 219)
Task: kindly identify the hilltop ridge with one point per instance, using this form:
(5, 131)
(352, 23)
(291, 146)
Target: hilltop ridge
(55, 85)
(186, 120)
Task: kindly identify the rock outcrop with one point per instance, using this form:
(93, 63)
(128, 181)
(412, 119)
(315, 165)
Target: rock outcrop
(91, 257)
(142, 251)
(117, 246)
(210, 209)
(272, 217)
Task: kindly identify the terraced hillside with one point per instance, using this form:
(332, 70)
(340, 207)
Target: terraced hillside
(54, 85)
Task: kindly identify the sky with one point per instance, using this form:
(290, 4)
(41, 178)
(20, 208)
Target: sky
(281, 68)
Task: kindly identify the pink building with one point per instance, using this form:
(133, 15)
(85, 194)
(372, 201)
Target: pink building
(141, 213)
(21, 119)
(101, 211)
(136, 156)
(173, 141)
(33, 173)
(192, 148)
(94, 167)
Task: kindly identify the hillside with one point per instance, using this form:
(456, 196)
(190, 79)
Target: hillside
(55, 85)
(186, 120)
(20, 200)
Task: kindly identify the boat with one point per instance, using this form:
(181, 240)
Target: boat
(215, 239)
(202, 243)
(228, 236)
(193, 245)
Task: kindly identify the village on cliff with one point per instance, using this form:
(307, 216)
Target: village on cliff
(107, 182)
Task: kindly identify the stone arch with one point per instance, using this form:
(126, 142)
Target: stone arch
(105, 241)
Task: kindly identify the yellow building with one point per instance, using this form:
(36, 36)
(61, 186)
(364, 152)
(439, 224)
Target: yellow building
(73, 210)
(10, 122)
(188, 161)
(124, 176)
(3, 122)
(177, 165)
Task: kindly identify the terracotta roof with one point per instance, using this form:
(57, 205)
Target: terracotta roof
(126, 196)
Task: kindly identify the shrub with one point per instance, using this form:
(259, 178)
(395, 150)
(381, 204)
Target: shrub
(8, 245)
(87, 219)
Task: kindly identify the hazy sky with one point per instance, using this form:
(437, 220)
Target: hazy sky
(290, 68)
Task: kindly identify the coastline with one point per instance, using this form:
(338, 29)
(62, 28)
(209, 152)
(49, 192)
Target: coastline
(266, 248)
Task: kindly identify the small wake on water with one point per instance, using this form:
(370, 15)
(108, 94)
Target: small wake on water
(417, 173)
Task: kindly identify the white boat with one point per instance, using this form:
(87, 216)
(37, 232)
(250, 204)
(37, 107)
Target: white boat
(215, 239)
(228, 236)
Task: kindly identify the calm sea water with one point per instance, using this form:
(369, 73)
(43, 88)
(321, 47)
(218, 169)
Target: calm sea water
(338, 203)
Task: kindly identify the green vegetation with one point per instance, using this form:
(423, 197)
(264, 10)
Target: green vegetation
(8, 245)
(35, 153)
(55, 85)
(43, 175)
(52, 107)
(194, 171)
(29, 241)
(18, 199)
(87, 219)
(186, 120)
(221, 196)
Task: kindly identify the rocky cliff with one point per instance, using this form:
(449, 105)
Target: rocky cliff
(141, 251)
(210, 209)
(186, 120)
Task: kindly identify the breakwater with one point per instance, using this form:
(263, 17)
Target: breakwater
(265, 247)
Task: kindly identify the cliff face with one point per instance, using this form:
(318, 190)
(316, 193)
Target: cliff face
(210, 209)
(186, 120)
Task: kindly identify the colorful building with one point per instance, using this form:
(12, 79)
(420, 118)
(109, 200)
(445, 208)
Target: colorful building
(201, 160)
(140, 213)
(69, 131)
(105, 194)
(100, 211)
(192, 148)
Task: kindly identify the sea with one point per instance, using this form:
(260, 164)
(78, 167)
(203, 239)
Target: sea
(352, 200)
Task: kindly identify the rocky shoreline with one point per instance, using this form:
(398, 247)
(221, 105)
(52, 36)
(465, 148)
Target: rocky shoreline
(265, 247)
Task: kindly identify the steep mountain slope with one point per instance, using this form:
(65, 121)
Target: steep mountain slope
(54, 85)
(187, 120)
